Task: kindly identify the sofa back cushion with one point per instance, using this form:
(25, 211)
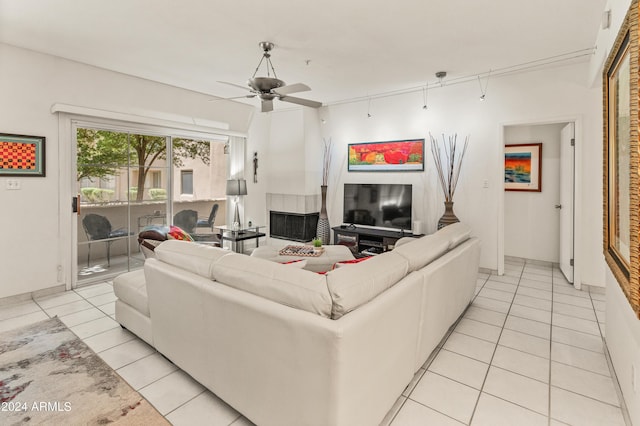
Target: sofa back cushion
(422, 251)
(456, 233)
(357, 284)
(297, 288)
(197, 258)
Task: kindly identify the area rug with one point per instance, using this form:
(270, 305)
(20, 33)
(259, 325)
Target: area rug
(49, 376)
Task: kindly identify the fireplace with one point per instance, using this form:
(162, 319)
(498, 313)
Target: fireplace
(293, 226)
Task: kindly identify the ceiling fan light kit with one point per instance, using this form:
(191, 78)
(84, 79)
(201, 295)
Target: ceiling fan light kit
(269, 88)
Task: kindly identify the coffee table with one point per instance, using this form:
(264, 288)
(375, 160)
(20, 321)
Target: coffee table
(322, 263)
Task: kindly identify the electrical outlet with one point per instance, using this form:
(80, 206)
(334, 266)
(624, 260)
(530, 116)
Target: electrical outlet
(13, 184)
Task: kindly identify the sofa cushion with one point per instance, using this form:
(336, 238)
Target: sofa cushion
(456, 233)
(297, 288)
(350, 262)
(131, 288)
(197, 258)
(402, 241)
(356, 285)
(422, 251)
(297, 263)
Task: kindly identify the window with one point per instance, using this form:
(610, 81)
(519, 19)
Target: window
(186, 181)
(156, 179)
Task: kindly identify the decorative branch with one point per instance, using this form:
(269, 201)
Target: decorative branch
(448, 161)
(326, 161)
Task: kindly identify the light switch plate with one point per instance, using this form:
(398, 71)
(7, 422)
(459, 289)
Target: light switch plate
(13, 184)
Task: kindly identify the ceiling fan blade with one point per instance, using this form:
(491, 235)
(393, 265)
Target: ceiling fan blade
(267, 106)
(229, 99)
(291, 88)
(235, 85)
(300, 101)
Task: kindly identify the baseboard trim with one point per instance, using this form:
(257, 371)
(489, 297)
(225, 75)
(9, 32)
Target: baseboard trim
(25, 297)
(616, 384)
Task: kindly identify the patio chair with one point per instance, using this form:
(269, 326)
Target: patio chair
(208, 223)
(98, 228)
(186, 219)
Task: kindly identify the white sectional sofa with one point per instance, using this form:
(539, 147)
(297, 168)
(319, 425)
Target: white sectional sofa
(287, 346)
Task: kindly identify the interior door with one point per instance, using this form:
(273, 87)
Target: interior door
(567, 149)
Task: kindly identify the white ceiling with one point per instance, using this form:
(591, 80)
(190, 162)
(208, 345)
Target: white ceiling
(356, 48)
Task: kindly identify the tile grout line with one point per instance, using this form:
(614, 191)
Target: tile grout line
(484, 381)
(430, 360)
(553, 279)
(533, 335)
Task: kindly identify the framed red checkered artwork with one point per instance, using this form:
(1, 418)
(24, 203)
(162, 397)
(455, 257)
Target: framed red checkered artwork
(22, 155)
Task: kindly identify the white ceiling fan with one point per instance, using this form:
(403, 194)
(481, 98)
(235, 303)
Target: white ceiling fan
(269, 88)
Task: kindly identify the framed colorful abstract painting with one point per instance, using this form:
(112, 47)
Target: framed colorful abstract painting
(523, 167)
(22, 155)
(392, 156)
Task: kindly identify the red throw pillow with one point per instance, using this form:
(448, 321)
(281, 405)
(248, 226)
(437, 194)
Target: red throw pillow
(298, 263)
(177, 233)
(350, 262)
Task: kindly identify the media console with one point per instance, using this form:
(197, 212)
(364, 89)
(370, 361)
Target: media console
(367, 241)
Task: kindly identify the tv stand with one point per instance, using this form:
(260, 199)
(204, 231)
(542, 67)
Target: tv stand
(368, 241)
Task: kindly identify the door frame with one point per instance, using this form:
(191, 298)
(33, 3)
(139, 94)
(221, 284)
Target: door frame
(67, 154)
(577, 189)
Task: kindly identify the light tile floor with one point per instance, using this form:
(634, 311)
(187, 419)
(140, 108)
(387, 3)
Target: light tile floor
(527, 351)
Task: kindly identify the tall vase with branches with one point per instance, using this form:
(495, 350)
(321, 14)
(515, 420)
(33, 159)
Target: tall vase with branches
(323, 230)
(448, 158)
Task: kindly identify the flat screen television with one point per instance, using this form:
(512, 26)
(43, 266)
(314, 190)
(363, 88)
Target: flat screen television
(381, 205)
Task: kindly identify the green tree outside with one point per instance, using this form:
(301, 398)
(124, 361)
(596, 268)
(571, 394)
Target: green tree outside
(103, 153)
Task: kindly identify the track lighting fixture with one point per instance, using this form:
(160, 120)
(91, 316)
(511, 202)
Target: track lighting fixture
(425, 92)
(483, 91)
(440, 75)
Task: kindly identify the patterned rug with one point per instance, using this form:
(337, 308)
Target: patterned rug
(49, 376)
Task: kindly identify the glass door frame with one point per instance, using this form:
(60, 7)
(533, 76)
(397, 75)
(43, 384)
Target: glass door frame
(69, 123)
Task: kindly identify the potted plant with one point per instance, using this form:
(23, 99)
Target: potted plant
(317, 242)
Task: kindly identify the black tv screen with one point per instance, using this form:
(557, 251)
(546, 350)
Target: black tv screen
(384, 205)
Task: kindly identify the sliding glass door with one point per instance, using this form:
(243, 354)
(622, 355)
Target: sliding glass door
(129, 180)
(122, 185)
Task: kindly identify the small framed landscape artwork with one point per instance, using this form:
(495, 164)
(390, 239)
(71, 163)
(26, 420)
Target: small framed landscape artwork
(392, 156)
(523, 167)
(22, 155)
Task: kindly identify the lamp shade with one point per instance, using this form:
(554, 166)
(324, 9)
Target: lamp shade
(236, 187)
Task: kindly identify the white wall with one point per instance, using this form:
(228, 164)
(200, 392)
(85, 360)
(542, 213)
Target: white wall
(285, 166)
(531, 221)
(622, 326)
(31, 248)
(622, 331)
(555, 94)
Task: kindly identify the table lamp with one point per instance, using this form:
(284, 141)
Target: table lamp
(236, 187)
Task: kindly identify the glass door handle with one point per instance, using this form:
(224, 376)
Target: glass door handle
(75, 204)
